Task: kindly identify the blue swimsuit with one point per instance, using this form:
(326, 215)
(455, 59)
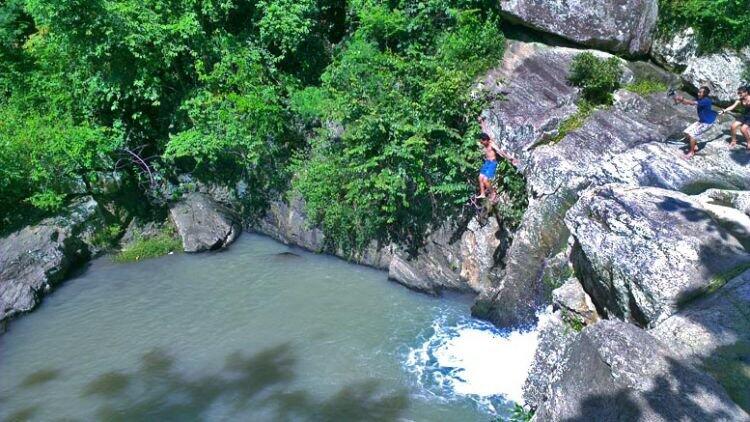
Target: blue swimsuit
(488, 169)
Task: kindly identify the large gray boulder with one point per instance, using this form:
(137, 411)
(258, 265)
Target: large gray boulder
(714, 332)
(641, 253)
(34, 259)
(721, 71)
(614, 371)
(620, 26)
(203, 224)
(553, 340)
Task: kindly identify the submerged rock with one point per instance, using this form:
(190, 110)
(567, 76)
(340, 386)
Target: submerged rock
(35, 258)
(620, 26)
(643, 252)
(616, 371)
(714, 332)
(203, 224)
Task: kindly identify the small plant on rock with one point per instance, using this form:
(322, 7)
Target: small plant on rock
(598, 78)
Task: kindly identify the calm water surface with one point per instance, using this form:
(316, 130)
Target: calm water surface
(254, 333)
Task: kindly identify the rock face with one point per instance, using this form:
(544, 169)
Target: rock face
(459, 255)
(34, 259)
(620, 26)
(715, 333)
(615, 371)
(288, 224)
(674, 52)
(634, 142)
(203, 224)
(575, 303)
(721, 71)
(638, 255)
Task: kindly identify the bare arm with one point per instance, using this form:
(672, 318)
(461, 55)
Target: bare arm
(682, 100)
(730, 108)
(493, 143)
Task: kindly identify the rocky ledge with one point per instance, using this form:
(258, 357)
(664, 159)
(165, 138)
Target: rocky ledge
(36, 258)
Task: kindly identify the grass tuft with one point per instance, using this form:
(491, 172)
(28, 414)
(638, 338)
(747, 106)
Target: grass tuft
(647, 87)
(153, 247)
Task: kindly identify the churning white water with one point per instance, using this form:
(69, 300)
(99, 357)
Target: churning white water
(474, 359)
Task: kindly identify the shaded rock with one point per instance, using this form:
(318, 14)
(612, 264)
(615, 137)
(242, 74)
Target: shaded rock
(139, 229)
(575, 303)
(203, 224)
(288, 224)
(35, 258)
(517, 292)
(404, 273)
(714, 332)
(620, 26)
(616, 371)
(554, 337)
(642, 252)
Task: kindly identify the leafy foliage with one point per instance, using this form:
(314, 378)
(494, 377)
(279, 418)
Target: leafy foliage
(400, 148)
(574, 122)
(152, 247)
(647, 87)
(718, 23)
(233, 89)
(598, 78)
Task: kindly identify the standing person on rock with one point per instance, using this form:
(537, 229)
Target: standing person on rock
(491, 151)
(706, 118)
(743, 122)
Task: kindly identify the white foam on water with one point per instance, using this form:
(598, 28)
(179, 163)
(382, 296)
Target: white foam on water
(473, 359)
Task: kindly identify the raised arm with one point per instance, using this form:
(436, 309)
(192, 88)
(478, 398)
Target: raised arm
(682, 100)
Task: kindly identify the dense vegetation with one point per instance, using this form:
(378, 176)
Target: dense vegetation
(361, 107)
(718, 23)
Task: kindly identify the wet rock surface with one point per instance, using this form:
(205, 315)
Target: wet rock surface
(621, 26)
(203, 224)
(34, 259)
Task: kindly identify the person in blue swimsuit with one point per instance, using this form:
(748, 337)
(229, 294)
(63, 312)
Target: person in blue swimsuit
(489, 167)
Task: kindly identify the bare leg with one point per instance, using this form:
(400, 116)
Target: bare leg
(693, 146)
(482, 179)
(735, 126)
(746, 131)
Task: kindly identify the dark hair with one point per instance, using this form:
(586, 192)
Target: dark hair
(483, 137)
(743, 88)
(706, 89)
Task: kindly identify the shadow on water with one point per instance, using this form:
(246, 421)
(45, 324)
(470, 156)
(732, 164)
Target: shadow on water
(261, 382)
(22, 415)
(40, 377)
